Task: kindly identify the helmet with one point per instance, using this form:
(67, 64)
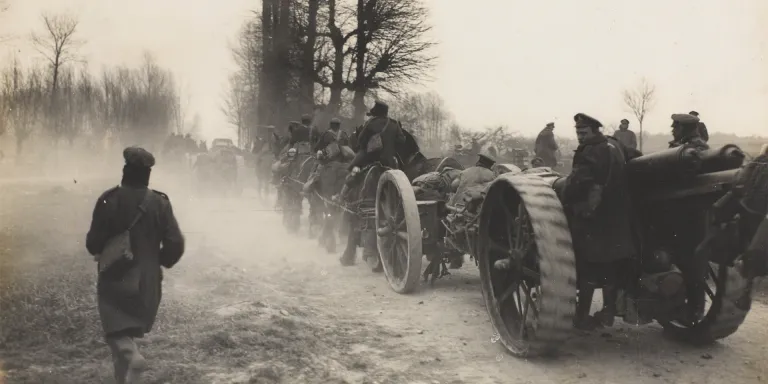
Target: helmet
(292, 152)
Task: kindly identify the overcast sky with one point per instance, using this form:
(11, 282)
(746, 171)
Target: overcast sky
(513, 62)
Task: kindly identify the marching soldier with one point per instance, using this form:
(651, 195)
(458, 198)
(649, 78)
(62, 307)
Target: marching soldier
(546, 147)
(701, 127)
(596, 197)
(685, 131)
(625, 135)
(129, 289)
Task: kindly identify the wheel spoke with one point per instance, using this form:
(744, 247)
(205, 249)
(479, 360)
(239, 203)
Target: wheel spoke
(507, 293)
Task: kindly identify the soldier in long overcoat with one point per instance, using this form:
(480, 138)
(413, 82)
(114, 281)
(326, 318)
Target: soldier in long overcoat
(546, 147)
(598, 203)
(129, 293)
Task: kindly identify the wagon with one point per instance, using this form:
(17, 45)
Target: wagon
(688, 208)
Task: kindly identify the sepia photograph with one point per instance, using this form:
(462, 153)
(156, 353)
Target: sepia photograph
(383, 192)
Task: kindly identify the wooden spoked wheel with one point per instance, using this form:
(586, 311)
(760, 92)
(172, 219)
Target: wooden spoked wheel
(398, 229)
(527, 266)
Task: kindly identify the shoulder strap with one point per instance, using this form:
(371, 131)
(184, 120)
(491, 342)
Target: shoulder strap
(142, 209)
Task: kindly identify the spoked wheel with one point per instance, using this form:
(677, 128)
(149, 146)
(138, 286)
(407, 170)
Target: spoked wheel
(399, 231)
(727, 301)
(527, 266)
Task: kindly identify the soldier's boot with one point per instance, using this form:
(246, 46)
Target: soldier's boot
(350, 252)
(607, 315)
(128, 362)
(583, 320)
(371, 251)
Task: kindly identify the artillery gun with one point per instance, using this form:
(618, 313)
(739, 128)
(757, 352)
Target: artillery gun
(689, 209)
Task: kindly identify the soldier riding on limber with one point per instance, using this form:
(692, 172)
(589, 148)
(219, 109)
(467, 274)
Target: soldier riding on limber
(332, 145)
(597, 200)
(377, 141)
(133, 233)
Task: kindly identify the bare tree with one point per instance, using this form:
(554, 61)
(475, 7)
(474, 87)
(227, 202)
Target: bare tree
(235, 107)
(640, 101)
(58, 46)
(58, 43)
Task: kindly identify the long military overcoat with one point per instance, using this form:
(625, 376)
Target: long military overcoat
(546, 147)
(604, 234)
(156, 241)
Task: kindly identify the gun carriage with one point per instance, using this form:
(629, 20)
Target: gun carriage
(689, 210)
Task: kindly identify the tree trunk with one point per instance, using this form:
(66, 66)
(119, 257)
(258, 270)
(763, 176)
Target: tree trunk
(358, 100)
(640, 141)
(264, 100)
(337, 77)
(307, 81)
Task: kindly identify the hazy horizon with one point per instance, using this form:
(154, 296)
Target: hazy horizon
(501, 62)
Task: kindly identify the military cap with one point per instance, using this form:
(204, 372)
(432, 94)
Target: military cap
(138, 157)
(458, 146)
(485, 160)
(583, 120)
(335, 121)
(685, 118)
(624, 121)
(550, 125)
(694, 113)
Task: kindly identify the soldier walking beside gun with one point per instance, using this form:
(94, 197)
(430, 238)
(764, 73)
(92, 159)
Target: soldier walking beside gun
(133, 233)
(546, 147)
(597, 200)
(625, 135)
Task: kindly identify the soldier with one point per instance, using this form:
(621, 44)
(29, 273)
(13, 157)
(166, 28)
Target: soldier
(701, 127)
(546, 147)
(625, 135)
(327, 153)
(129, 290)
(596, 198)
(332, 135)
(377, 141)
(685, 131)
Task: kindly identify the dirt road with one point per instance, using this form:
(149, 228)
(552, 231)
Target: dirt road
(249, 303)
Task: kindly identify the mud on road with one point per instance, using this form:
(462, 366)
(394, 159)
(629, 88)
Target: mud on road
(249, 303)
